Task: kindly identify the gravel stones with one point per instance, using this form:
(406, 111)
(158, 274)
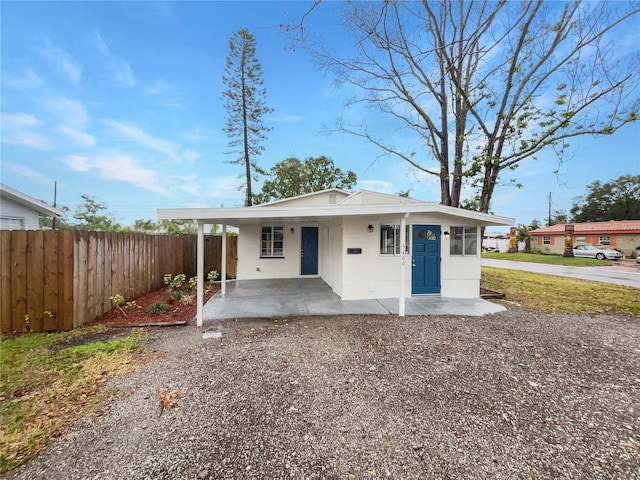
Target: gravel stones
(509, 395)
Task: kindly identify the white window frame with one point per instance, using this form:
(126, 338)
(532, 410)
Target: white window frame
(581, 239)
(12, 223)
(546, 240)
(460, 236)
(269, 250)
(604, 240)
(394, 240)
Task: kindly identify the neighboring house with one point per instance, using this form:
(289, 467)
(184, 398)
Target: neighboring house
(623, 235)
(19, 211)
(364, 245)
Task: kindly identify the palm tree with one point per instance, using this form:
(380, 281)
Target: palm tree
(522, 235)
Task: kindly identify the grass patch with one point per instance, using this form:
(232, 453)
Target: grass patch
(550, 259)
(47, 380)
(553, 294)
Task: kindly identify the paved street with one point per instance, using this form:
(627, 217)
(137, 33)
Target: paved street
(622, 273)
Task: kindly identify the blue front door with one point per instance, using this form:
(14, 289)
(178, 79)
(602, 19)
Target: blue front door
(425, 273)
(309, 251)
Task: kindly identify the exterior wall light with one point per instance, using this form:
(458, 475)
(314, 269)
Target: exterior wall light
(292, 230)
(446, 234)
(370, 227)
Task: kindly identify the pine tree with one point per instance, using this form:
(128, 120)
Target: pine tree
(245, 102)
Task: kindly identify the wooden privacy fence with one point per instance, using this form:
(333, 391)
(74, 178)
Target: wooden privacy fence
(57, 280)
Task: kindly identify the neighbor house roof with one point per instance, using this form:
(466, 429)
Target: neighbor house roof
(278, 211)
(593, 228)
(30, 202)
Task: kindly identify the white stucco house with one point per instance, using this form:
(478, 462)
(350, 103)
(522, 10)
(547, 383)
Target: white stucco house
(363, 245)
(19, 211)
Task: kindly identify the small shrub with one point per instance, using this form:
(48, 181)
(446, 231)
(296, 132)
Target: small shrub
(193, 283)
(157, 307)
(175, 295)
(213, 275)
(118, 300)
(174, 282)
(186, 300)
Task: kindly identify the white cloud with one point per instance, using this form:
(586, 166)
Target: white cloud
(164, 93)
(214, 188)
(23, 129)
(26, 79)
(190, 156)
(381, 186)
(25, 172)
(116, 67)
(118, 167)
(62, 60)
(136, 134)
(81, 139)
(69, 112)
(160, 87)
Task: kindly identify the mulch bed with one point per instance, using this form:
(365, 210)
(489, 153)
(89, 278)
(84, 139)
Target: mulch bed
(178, 313)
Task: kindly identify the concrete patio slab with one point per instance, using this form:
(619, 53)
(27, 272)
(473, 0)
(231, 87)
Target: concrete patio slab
(312, 296)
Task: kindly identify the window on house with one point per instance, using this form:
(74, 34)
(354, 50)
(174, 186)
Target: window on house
(604, 240)
(390, 240)
(580, 239)
(272, 242)
(546, 240)
(464, 241)
(11, 223)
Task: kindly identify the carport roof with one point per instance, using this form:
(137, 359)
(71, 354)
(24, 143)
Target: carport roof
(243, 215)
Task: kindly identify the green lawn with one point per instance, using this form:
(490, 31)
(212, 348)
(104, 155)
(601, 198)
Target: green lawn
(554, 294)
(48, 380)
(552, 259)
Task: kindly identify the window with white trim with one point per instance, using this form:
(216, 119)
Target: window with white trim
(464, 241)
(272, 242)
(11, 223)
(390, 240)
(546, 240)
(604, 240)
(580, 239)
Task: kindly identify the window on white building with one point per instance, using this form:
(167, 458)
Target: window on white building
(546, 240)
(464, 241)
(604, 240)
(390, 240)
(11, 223)
(272, 242)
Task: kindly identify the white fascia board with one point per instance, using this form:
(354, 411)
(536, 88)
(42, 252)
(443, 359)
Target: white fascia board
(28, 201)
(242, 214)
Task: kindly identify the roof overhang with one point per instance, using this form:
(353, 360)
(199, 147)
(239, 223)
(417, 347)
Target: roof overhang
(30, 202)
(245, 215)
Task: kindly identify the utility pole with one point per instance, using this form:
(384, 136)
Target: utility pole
(549, 220)
(55, 197)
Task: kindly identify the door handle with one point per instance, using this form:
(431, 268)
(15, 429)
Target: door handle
(301, 253)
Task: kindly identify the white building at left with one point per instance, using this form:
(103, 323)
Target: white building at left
(19, 211)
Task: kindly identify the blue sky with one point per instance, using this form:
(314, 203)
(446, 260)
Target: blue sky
(121, 100)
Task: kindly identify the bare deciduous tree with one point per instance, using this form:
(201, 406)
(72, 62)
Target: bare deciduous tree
(484, 85)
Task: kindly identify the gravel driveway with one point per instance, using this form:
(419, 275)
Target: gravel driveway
(509, 395)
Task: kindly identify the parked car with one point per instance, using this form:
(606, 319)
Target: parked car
(491, 249)
(638, 259)
(590, 251)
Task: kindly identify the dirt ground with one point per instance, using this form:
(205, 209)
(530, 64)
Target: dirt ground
(178, 311)
(510, 395)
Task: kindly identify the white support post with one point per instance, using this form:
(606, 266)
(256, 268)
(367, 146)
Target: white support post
(223, 262)
(200, 273)
(403, 261)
